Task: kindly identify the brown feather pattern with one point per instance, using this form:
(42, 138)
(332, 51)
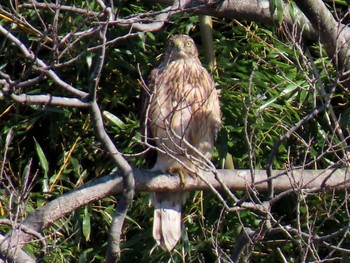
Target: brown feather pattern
(183, 114)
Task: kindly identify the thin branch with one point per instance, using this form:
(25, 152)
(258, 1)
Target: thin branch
(22, 23)
(9, 137)
(49, 100)
(41, 64)
(15, 256)
(158, 22)
(287, 135)
(243, 239)
(333, 34)
(25, 229)
(128, 180)
(65, 8)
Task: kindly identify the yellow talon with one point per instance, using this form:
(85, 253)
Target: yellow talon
(182, 178)
(181, 173)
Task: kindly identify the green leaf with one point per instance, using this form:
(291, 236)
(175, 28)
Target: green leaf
(287, 90)
(44, 165)
(280, 11)
(26, 172)
(9, 137)
(86, 224)
(134, 222)
(151, 36)
(42, 158)
(272, 6)
(89, 60)
(292, 8)
(113, 119)
(83, 258)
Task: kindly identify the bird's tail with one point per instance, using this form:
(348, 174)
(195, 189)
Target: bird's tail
(167, 218)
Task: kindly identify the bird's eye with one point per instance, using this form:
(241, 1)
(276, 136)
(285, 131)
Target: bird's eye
(171, 43)
(189, 44)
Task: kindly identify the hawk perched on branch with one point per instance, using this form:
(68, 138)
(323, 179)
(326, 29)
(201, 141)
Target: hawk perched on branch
(182, 116)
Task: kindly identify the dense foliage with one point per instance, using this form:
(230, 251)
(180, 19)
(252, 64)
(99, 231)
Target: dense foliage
(268, 82)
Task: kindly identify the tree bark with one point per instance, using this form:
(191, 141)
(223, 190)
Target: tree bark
(309, 180)
(313, 19)
(334, 35)
(250, 10)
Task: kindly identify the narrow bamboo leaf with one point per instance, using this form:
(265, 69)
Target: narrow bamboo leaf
(134, 222)
(151, 36)
(272, 6)
(83, 258)
(290, 88)
(114, 119)
(280, 11)
(26, 172)
(292, 7)
(42, 158)
(9, 138)
(89, 60)
(44, 165)
(86, 225)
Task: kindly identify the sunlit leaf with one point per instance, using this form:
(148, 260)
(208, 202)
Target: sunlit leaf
(114, 119)
(86, 223)
(43, 163)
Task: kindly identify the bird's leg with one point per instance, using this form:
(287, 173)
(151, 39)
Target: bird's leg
(181, 173)
(182, 178)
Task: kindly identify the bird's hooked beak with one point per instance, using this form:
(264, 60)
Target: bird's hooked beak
(180, 48)
(179, 45)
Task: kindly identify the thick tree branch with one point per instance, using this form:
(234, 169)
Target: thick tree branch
(250, 10)
(309, 180)
(334, 35)
(15, 255)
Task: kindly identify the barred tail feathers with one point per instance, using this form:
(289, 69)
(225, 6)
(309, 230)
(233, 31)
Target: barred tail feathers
(167, 218)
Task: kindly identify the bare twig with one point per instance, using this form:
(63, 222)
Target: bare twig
(49, 100)
(158, 22)
(41, 64)
(65, 8)
(287, 135)
(15, 256)
(128, 180)
(243, 239)
(333, 34)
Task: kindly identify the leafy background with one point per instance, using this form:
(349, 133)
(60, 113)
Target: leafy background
(267, 84)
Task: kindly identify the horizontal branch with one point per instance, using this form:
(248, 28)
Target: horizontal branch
(313, 180)
(147, 181)
(249, 10)
(54, 7)
(49, 100)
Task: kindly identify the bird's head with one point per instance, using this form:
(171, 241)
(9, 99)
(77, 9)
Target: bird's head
(181, 47)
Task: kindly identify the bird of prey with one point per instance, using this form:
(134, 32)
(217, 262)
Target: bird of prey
(181, 115)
